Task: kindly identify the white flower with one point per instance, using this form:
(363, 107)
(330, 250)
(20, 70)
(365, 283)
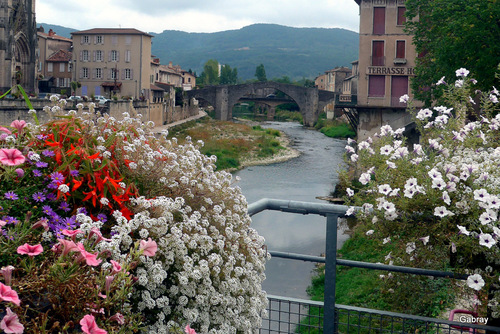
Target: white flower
(485, 239)
(386, 150)
(441, 82)
(410, 247)
(354, 157)
(462, 72)
(404, 98)
(104, 201)
(425, 240)
(63, 188)
(386, 240)
(370, 232)
(441, 211)
(350, 192)
(350, 211)
(423, 114)
(459, 83)
(364, 178)
(384, 189)
(475, 282)
(446, 197)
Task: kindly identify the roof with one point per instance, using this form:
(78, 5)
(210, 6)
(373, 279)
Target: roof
(358, 2)
(153, 87)
(53, 36)
(111, 31)
(61, 55)
(164, 86)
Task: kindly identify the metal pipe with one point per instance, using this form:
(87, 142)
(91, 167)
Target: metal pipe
(329, 320)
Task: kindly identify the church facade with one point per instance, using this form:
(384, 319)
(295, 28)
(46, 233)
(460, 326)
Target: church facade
(18, 45)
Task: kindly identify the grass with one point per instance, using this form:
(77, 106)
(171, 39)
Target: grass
(364, 288)
(230, 142)
(334, 128)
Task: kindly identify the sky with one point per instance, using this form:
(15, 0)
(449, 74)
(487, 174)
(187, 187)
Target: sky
(197, 15)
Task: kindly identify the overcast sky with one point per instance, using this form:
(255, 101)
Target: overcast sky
(197, 15)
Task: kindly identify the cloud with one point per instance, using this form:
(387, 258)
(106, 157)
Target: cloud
(197, 15)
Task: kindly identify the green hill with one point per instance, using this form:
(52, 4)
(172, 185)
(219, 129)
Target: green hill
(285, 51)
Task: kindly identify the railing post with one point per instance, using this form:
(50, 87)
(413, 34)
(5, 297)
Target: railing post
(329, 323)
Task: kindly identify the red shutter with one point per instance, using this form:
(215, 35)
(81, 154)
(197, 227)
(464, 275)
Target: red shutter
(401, 16)
(376, 86)
(399, 87)
(378, 20)
(378, 53)
(400, 49)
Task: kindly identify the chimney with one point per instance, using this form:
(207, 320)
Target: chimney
(51, 32)
(170, 64)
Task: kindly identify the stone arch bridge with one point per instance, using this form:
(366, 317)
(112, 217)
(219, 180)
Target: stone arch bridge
(311, 101)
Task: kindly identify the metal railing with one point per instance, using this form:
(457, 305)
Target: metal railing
(285, 314)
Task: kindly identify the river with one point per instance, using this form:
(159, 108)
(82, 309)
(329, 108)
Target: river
(312, 174)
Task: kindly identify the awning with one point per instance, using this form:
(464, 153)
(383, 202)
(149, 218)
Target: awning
(111, 84)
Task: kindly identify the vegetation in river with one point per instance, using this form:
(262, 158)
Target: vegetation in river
(335, 128)
(230, 142)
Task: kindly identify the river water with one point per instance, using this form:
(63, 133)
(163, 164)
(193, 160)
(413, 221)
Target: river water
(312, 174)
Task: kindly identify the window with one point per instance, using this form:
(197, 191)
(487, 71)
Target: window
(401, 49)
(378, 20)
(61, 82)
(399, 87)
(378, 53)
(128, 40)
(128, 74)
(114, 39)
(376, 86)
(401, 16)
(127, 56)
(114, 73)
(85, 73)
(99, 39)
(98, 55)
(85, 55)
(62, 67)
(98, 73)
(50, 67)
(114, 55)
(85, 39)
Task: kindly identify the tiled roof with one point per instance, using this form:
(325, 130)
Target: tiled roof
(53, 36)
(111, 31)
(61, 55)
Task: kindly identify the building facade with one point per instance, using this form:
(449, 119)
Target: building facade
(17, 44)
(53, 66)
(385, 65)
(112, 62)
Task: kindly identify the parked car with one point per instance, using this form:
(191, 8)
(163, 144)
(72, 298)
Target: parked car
(101, 99)
(75, 98)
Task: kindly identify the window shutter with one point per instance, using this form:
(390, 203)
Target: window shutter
(131, 74)
(95, 39)
(400, 49)
(81, 73)
(376, 85)
(81, 39)
(93, 73)
(81, 55)
(109, 55)
(378, 53)
(117, 56)
(123, 75)
(379, 20)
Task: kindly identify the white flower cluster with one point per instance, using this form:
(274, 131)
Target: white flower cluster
(450, 183)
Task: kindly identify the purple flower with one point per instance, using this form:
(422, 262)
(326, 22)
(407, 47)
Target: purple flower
(10, 220)
(69, 223)
(39, 196)
(55, 219)
(36, 172)
(52, 185)
(11, 195)
(41, 164)
(102, 217)
(74, 173)
(41, 137)
(82, 210)
(19, 172)
(48, 153)
(51, 197)
(47, 210)
(57, 177)
(65, 207)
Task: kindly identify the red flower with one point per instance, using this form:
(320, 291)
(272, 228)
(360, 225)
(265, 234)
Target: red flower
(11, 157)
(27, 249)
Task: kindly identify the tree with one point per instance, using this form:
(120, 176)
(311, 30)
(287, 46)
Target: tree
(228, 76)
(74, 86)
(210, 74)
(453, 34)
(260, 73)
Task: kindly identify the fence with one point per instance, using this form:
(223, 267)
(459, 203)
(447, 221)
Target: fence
(285, 314)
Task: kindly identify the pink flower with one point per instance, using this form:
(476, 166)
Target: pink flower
(19, 125)
(89, 325)
(10, 323)
(11, 157)
(71, 233)
(6, 272)
(5, 130)
(90, 259)
(68, 246)
(189, 330)
(43, 223)
(9, 295)
(116, 267)
(95, 231)
(119, 318)
(27, 249)
(149, 247)
(19, 172)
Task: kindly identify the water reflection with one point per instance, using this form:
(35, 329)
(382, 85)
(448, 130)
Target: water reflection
(312, 174)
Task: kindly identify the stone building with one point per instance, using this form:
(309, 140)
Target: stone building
(17, 44)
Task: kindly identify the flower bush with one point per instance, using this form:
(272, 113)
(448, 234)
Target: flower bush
(118, 230)
(436, 201)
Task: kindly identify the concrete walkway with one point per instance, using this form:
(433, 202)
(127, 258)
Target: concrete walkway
(159, 129)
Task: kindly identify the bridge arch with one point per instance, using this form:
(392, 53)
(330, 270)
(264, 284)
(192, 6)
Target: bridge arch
(224, 97)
